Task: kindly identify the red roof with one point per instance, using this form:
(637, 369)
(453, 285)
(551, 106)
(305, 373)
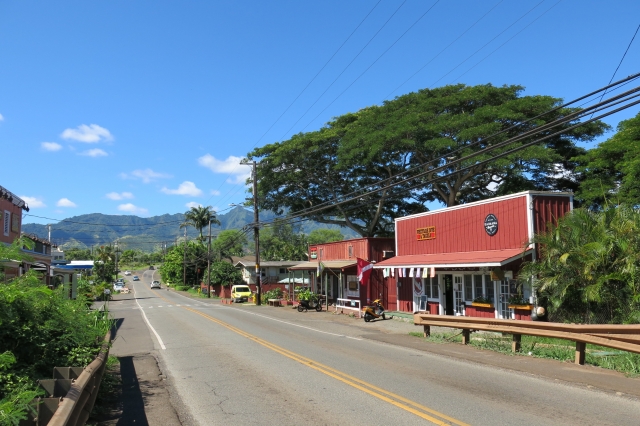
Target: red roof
(460, 259)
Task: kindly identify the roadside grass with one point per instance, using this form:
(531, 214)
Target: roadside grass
(545, 347)
(109, 391)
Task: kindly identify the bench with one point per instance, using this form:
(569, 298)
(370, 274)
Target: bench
(273, 302)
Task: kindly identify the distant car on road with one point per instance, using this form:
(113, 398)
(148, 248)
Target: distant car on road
(135, 278)
(151, 268)
(127, 273)
(155, 284)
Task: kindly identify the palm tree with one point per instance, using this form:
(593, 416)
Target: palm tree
(199, 217)
(589, 265)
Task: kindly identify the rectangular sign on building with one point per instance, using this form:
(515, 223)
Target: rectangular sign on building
(428, 233)
(6, 223)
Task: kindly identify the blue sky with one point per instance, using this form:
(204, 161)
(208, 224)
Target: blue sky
(146, 107)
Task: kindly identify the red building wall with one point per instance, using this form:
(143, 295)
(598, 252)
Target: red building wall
(462, 229)
(15, 212)
(369, 249)
(548, 209)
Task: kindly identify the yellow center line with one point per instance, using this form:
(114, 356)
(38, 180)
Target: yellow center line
(377, 392)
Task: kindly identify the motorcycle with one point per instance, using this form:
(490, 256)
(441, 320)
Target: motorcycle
(374, 311)
(314, 303)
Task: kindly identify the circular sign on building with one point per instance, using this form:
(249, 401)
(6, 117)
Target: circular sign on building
(491, 224)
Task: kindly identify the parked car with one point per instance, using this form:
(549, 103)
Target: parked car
(240, 293)
(135, 278)
(155, 284)
(118, 286)
(127, 273)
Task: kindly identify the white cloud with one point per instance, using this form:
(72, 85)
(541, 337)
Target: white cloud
(185, 188)
(193, 204)
(239, 173)
(33, 202)
(119, 196)
(146, 175)
(88, 134)
(51, 146)
(130, 208)
(1, 117)
(65, 202)
(215, 192)
(96, 152)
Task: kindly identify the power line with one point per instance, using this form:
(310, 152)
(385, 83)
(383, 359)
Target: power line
(312, 80)
(443, 50)
(570, 117)
(372, 64)
(486, 139)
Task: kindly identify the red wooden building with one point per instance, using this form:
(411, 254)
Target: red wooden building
(449, 258)
(338, 279)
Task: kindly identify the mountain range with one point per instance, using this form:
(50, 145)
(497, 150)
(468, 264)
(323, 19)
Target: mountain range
(147, 234)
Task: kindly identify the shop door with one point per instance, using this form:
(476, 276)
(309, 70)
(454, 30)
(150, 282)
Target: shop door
(448, 294)
(458, 301)
(504, 300)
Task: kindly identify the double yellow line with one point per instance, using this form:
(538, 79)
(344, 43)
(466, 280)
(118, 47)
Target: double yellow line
(419, 410)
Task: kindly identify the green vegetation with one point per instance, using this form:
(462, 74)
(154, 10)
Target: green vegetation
(283, 241)
(199, 217)
(611, 171)
(422, 131)
(544, 347)
(223, 273)
(276, 293)
(589, 267)
(229, 243)
(324, 235)
(40, 329)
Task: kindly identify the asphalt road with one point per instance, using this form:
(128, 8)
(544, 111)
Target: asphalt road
(261, 365)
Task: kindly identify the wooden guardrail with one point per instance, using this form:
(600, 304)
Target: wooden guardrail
(71, 393)
(622, 337)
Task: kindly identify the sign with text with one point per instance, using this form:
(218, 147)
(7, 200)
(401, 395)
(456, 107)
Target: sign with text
(428, 233)
(313, 252)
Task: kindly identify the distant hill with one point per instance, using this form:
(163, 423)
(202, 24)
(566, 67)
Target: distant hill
(148, 234)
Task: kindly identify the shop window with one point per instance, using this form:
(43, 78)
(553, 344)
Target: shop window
(435, 290)
(350, 252)
(353, 289)
(427, 287)
(488, 284)
(468, 288)
(478, 290)
(282, 270)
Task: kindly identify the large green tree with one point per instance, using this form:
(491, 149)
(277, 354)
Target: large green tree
(435, 128)
(223, 273)
(104, 265)
(230, 242)
(425, 132)
(195, 260)
(611, 171)
(282, 241)
(324, 235)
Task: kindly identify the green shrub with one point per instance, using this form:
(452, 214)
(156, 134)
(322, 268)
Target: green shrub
(41, 329)
(276, 293)
(182, 287)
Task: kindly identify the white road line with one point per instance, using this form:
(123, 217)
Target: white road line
(159, 306)
(151, 327)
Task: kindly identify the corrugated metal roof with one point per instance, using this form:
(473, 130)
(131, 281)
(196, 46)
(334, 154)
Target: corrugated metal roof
(330, 264)
(448, 260)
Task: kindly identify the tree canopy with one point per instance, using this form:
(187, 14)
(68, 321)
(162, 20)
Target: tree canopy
(612, 169)
(229, 243)
(324, 235)
(282, 241)
(424, 131)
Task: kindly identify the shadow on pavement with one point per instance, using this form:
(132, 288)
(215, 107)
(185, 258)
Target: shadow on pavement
(132, 401)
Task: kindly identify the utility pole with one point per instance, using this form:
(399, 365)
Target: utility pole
(184, 259)
(209, 263)
(116, 260)
(256, 231)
